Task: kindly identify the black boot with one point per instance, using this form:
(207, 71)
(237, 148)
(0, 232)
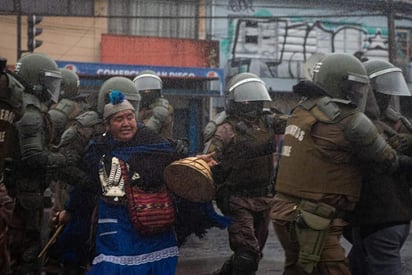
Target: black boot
(226, 268)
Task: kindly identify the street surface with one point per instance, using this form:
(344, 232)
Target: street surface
(203, 256)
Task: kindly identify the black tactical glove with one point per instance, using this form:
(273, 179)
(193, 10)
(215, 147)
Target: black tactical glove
(402, 143)
(223, 198)
(405, 164)
(222, 189)
(182, 146)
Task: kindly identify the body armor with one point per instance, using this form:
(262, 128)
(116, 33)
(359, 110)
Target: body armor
(212, 125)
(326, 141)
(11, 94)
(247, 147)
(11, 91)
(85, 125)
(33, 135)
(158, 117)
(61, 114)
(88, 119)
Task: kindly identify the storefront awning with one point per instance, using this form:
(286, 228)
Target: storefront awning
(102, 70)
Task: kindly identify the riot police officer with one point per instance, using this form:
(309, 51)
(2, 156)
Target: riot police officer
(319, 177)
(62, 113)
(41, 79)
(381, 219)
(155, 111)
(243, 138)
(11, 92)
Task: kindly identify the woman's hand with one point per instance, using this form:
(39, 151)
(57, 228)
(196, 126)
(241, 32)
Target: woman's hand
(61, 218)
(208, 158)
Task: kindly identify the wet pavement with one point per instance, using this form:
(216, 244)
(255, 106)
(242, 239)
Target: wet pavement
(203, 256)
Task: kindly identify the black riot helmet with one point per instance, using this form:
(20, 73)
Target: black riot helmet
(245, 94)
(342, 76)
(385, 78)
(70, 84)
(40, 76)
(386, 81)
(149, 85)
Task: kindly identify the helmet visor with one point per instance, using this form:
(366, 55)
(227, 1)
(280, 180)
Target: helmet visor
(149, 97)
(148, 82)
(357, 92)
(51, 81)
(136, 106)
(249, 109)
(251, 89)
(390, 83)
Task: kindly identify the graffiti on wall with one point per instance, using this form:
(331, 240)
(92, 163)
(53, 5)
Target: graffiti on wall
(278, 48)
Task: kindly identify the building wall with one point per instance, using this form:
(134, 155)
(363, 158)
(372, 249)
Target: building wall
(274, 41)
(64, 38)
(158, 51)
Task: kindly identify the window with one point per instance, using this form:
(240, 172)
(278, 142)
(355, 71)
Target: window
(162, 18)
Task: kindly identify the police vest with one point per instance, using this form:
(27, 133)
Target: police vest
(306, 168)
(250, 155)
(9, 146)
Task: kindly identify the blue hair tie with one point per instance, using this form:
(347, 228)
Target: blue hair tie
(116, 97)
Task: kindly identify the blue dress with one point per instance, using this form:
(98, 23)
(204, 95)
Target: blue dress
(120, 249)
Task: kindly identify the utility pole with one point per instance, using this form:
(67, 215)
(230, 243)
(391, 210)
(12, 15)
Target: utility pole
(391, 31)
(392, 53)
(17, 8)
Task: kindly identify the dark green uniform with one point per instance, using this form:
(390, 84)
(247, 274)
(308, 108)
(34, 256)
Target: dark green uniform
(244, 139)
(320, 167)
(10, 104)
(244, 178)
(41, 79)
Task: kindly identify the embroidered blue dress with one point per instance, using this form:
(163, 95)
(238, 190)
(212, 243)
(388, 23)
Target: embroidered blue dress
(119, 248)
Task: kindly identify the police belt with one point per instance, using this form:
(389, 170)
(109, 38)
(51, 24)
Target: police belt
(252, 192)
(339, 214)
